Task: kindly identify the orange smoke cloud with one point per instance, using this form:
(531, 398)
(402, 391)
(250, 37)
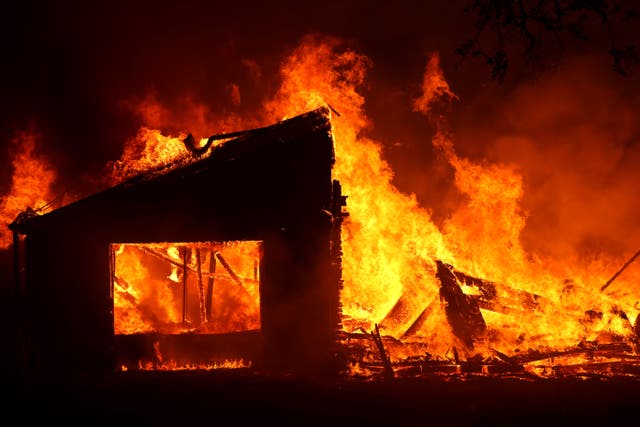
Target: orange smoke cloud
(574, 136)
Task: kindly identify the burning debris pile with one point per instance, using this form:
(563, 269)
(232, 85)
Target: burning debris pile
(462, 297)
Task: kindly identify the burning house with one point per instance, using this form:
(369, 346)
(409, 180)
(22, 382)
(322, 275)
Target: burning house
(484, 272)
(233, 257)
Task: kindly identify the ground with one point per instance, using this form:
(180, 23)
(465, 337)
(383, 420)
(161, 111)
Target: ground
(240, 398)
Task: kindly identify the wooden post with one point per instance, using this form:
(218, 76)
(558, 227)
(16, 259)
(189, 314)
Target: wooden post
(185, 251)
(463, 313)
(203, 314)
(386, 362)
(209, 297)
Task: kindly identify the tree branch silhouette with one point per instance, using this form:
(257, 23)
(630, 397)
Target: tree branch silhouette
(503, 25)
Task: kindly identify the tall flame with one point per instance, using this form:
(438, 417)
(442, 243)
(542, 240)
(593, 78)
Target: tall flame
(390, 242)
(30, 183)
(391, 245)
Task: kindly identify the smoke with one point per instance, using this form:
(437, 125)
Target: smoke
(574, 136)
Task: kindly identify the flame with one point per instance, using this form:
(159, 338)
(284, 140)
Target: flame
(31, 183)
(148, 150)
(161, 363)
(153, 147)
(434, 87)
(387, 257)
(391, 244)
(149, 287)
(139, 296)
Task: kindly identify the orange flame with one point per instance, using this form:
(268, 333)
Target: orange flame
(148, 150)
(30, 184)
(390, 243)
(152, 147)
(150, 295)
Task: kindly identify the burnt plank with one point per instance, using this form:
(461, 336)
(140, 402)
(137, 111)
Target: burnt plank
(500, 297)
(463, 312)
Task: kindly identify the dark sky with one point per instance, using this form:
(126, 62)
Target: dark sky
(71, 66)
(72, 69)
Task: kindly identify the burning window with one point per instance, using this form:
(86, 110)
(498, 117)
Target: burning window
(164, 291)
(174, 288)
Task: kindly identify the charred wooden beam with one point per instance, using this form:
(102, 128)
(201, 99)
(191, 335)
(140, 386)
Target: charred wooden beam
(191, 145)
(203, 314)
(338, 213)
(233, 274)
(400, 313)
(486, 295)
(227, 267)
(125, 286)
(420, 320)
(463, 312)
(210, 282)
(167, 258)
(626, 264)
(121, 282)
(499, 297)
(386, 362)
(185, 256)
(411, 304)
(456, 356)
(593, 349)
(597, 370)
(180, 264)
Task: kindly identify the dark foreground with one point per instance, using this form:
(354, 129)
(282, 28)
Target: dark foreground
(239, 398)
